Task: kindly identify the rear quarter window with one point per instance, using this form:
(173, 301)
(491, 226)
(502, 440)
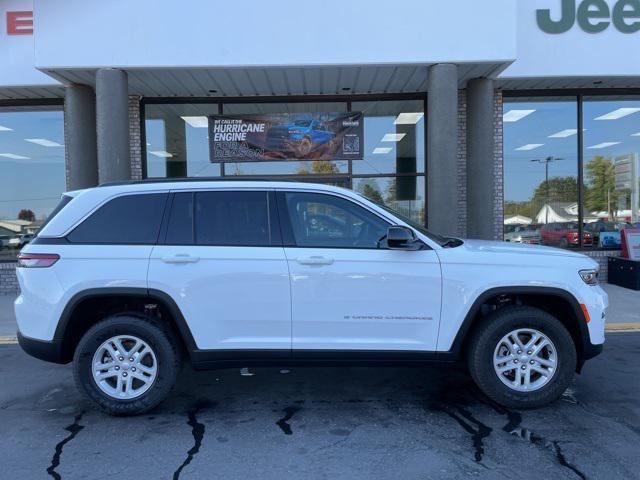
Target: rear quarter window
(129, 219)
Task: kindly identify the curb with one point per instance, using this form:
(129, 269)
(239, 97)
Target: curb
(8, 341)
(622, 327)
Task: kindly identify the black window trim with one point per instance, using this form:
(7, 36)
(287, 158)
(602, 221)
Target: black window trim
(288, 238)
(273, 221)
(71, 229)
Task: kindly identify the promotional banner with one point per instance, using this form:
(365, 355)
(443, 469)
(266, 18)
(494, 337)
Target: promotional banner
(286, 136)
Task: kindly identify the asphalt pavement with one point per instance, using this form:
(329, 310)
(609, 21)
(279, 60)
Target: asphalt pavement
(321, 423)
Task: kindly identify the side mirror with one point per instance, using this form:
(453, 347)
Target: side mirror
(402, 238)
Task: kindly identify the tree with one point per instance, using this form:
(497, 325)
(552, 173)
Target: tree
(319, 167)
(372, 192)
(557, 189)
(601, 194)
(27, 215)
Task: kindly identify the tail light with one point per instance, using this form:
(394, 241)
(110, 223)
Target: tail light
(37, 260)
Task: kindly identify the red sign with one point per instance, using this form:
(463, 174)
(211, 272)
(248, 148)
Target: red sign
(631, 243)
(20, 23)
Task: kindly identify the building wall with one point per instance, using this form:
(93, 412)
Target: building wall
(8, 279)
(135, 137)
(462, 164)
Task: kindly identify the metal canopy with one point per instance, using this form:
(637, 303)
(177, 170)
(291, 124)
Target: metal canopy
(278, 81)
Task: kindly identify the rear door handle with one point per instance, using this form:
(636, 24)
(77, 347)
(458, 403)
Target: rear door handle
(180, 258)
(315, 260)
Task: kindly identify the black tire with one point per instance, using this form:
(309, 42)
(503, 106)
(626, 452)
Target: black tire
(564, 243)
(485, 340)
(160, 339)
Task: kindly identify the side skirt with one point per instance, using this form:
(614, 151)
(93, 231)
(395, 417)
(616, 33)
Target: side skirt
(219, 359)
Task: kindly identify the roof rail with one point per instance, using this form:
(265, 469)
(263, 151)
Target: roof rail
(196, 179)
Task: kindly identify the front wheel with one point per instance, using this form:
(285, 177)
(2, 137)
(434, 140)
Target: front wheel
(522, 357)
(126, 364)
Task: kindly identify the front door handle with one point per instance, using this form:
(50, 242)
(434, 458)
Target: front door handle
(180, 258)
(315, 260)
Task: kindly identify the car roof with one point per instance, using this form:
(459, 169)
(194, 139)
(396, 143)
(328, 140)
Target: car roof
(85, 201)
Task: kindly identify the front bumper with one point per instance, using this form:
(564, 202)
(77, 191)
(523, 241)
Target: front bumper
(49, 351)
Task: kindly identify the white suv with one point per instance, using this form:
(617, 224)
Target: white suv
(124, 279)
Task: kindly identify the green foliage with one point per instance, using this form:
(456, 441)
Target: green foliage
(600, 191)
(27, 215)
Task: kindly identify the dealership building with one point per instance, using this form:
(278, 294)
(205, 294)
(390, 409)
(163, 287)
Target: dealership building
(473, 118)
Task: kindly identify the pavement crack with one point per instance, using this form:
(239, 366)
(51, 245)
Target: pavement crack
(282, 423)
(197, 432)
(478, 430)
(73, 430)
(562, 460)
(513, 427)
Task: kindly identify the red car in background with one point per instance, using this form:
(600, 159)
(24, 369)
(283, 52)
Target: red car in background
(564, 235)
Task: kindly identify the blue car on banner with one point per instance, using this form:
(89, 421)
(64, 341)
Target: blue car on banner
(300, 137)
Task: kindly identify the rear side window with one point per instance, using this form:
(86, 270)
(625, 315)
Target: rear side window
(232, 219)
(130, 219)
(180, 221)
(64, 201)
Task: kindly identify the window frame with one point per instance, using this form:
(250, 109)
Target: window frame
(288, 237)
(275, 233)
(578, 95)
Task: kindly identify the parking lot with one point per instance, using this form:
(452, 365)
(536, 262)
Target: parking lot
(324, 423)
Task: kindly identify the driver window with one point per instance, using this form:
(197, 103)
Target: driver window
(327, 221)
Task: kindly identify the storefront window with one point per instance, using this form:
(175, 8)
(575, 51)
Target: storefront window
(32, 172)
(394, 137)
(390, 169)
(541, 171)
(611, 167)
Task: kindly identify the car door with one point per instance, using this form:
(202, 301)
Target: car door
(347, 292)
(222, 261)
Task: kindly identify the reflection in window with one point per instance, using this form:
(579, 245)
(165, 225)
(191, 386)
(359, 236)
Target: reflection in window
(540, 171)
(405, 195)
(394, 137)
(611, 167)
(32, 171)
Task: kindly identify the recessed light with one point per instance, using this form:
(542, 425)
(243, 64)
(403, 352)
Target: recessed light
(408, 118)
(603, 145)
(44, 142)
(14, 156)
(619, 113)
(381, 150)
(345, 89)
(530, 146)
(393, 137)
(515, 115)
(5, 129)
(161, 153)
(564, 133)
(635, 134)
(213, 91)
(197, 122)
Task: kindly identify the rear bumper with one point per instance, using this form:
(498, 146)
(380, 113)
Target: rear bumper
(49, 351)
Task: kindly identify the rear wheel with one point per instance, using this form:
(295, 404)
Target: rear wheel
(126, 364)
(522, 357)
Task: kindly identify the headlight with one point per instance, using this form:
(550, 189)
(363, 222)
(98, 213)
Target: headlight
(590, 277)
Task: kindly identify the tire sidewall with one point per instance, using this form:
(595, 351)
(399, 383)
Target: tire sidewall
(481, 358)
(154, 336)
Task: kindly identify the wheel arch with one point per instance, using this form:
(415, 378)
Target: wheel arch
(560, 303)
(88, 307)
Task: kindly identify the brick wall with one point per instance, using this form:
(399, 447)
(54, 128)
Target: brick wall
(135, 135)
(8, 279)
(498, 184)
(462, 164)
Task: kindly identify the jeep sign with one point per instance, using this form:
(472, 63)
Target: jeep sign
(593, 16)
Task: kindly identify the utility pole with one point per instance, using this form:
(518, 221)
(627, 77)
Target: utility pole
(546, 162)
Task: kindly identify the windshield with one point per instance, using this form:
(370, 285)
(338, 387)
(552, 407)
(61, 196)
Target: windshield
(301, 123)
(439, 239)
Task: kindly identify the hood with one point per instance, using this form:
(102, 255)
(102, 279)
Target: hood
(493, 247)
